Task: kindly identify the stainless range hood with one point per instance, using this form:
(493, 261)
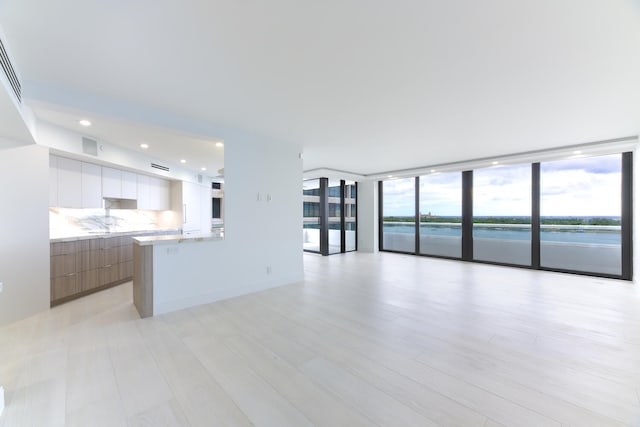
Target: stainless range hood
(111, 203)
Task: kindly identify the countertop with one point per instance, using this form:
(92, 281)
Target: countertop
(176, 238)
(103, 234)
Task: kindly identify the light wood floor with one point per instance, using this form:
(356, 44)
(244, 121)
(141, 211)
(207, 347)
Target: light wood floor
(367, 339)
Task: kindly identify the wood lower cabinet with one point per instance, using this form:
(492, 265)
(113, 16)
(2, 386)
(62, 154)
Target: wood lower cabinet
(64, 286)
(84, 266)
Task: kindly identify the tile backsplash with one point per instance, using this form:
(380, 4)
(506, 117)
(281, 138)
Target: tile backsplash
(80, 222)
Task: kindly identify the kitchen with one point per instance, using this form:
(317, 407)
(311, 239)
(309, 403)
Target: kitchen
(86, 212)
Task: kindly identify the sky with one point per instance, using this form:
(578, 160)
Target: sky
(581, 186)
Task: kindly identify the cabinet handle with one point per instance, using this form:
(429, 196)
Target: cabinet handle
(184, 213)
(108, 266)
(70, 274)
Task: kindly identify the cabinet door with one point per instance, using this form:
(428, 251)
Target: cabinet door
(91, 185)
(111, 183)
(159, 194)
(205, 209)
(129, 185)
(144, 199)
(69, 183)
(190, 207)
(53, 180)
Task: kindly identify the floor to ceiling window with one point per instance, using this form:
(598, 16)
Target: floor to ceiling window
(335, 216)
(580, 207)
(350, 215)
(572, 214)
(399, 215)
(329, 216)
(502, 214)
(441, 214)
(311, 215)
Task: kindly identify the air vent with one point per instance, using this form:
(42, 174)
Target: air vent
(89, 146)
(10, 73)
(162, 168)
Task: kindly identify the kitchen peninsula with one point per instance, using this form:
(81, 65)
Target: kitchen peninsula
(151, 295)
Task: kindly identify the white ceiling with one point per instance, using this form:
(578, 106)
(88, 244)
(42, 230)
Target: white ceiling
(365, 86)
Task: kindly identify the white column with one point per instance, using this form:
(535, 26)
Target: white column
(367, 216)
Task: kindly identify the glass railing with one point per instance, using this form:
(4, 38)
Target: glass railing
(589, 248)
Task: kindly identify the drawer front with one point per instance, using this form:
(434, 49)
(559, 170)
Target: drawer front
(63, 248)
(89, 279)
(108, 274)
(125, 253)
(90, 260)
(109, 242)
(64, 286)
(62, 265)
(89, 245)
(126, 240)
(126, 270)
(108, 256)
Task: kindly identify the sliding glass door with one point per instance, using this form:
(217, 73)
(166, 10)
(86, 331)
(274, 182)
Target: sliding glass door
(580, 206)
(399, 215)
(441, 214)
(329, 216)
(502, 214)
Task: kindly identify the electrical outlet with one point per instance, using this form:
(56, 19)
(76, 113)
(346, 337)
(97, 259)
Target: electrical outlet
(268, 269)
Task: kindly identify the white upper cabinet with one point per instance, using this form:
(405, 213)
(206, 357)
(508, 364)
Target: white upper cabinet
(91, 185)
(129, 185)
(144, 197)
(76, 184)
(160, 194)
(111, 183)
(69, 183)
(53, 180)
(153, 193)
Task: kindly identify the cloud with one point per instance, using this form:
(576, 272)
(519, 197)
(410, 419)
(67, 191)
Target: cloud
(594, 165)
(573, 187)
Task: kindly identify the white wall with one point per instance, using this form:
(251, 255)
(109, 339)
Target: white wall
(24, 232)
(258, 233)
(368, 216)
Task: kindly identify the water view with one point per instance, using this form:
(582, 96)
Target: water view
(553, 229)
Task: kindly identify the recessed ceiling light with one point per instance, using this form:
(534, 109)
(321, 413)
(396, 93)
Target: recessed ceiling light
(495, 163)
(183, 161)
(144, 146)
(577, 152)
(219, 144)
(433, 170)
(84, 122)
(389, 176)
(203, 169)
